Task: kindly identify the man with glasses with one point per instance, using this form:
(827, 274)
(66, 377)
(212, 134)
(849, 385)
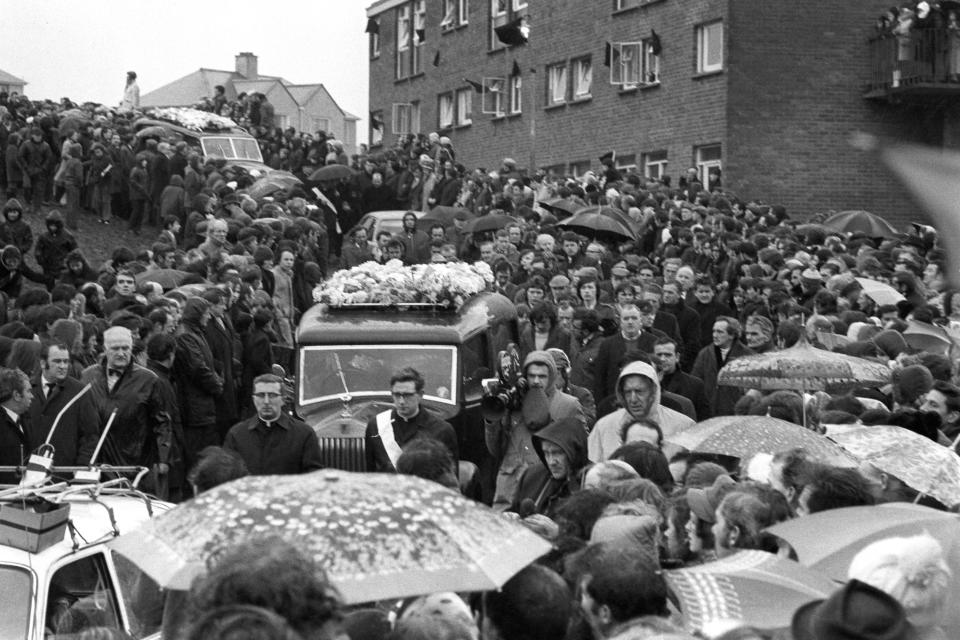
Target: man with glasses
(389, 432)
(272, 442)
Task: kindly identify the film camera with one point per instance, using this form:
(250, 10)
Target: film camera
(505, 392)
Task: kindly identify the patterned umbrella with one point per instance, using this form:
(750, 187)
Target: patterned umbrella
(919, 462)
(802, 367)
(755, 587)
(377, 536)
(862, 222)
(746, 436)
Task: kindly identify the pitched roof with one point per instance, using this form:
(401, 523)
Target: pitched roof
(9, 78)
(303, 92)
(260, 85)
(188, 89)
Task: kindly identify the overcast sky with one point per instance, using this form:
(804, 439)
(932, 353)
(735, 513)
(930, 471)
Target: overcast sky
(83, 50)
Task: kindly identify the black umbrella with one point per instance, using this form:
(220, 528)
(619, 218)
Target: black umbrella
(331, 172)
(561, 207)
(601, 221)
(859, 221)
(490, 222)
(446, 215)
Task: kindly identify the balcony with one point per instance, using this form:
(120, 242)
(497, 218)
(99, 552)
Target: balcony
(923, 63)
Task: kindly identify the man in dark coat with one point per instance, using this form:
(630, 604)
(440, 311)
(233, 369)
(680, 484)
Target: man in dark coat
(257, 357)
(54, 246)
(687, 319)
(75, 437)
(35, 159)
(726, 347)
(15, 441)
(390, 431)
(708, 308)
(667, 360)
(200, 385)
(141, 432)
(272, 442)
(161, 355)
(562, 449)
(631, 336)
(225, 347)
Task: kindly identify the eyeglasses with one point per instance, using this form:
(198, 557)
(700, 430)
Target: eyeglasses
(267, 395)
(402, 396)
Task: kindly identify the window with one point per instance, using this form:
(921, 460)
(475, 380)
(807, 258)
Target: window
(405, 118)
(708, 159)
(499, 16)
(519, 4)
(281, 120)
(376, 128)
(142, 597)
(85, 598)
(404, 38)
(619, 5)
(445, 111)
(516, 94)
(710, 47)
(655, 164)
(582, 78)
(375, 39)
(464, 106)
(419, 27)
(625, 64)
(321, 124)
(493, 91)
(579, 168)
(651, 61)
(455, 14)
(557, 84)
(627, 164)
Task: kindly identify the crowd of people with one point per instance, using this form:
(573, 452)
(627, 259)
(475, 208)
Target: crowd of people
(621, 341)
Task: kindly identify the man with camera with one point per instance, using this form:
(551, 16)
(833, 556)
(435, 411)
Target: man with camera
(515, 414)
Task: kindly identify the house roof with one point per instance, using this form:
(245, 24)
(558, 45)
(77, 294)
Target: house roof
(9, 78)
(254, 86)
(194, 86)
(303, 92)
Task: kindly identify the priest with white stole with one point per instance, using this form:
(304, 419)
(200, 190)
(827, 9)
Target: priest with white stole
(390, 431)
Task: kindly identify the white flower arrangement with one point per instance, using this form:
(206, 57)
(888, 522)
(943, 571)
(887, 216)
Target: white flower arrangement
(193, 118)
(393, 284)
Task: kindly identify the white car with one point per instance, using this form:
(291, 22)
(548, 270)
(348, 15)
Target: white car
(56, 581)
(391, 221)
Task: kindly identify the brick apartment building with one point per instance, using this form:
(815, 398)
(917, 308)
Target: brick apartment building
(771, 92)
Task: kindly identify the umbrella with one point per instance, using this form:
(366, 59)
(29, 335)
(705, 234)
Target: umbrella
(331, 172)
(861, 221)
(852, 528)
(919, 462)
(927, 337)
(190, 290)
(561, 207)
(271, 183)
(154, 131)
(613, 212)
(446, 215)
(746, 436)
(755, 587)
(489, 222)
(803, 368)
(880, 292)
(166, 278)
(377, 536)
(593, 223)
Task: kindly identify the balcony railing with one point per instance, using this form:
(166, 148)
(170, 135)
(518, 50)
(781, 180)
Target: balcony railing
(922, 62)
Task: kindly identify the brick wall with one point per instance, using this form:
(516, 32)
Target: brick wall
(784, 107)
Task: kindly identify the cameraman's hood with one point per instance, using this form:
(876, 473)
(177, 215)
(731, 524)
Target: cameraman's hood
(544, 358)
(640, 368)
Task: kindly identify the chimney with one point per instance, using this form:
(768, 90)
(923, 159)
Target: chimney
(246, 65)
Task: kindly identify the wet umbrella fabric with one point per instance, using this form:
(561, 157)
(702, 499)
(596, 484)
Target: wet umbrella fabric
(755, 586)
(880, 292)
(802, 367)
(490, 222)
(376, 536)
(745, 436)
(166, 278)
(331, 172)
(919, 462)
(859, 221)
(445, 216)
(593, 223)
